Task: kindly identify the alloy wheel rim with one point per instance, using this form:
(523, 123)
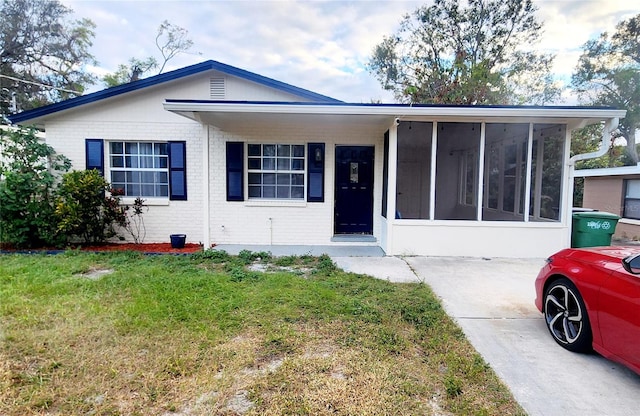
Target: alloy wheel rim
(563, 314)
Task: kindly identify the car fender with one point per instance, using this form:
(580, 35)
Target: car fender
(588, 278)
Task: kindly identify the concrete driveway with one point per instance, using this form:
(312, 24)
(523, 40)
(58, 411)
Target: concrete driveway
(492, 301)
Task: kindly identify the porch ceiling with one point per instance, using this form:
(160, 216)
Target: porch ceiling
(228, 120)
(226, 115)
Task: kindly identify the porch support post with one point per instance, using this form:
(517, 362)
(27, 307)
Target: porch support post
(567, 188)
(391, 185)
(480, 196)
(432, 174)
(527, 183)
(206, 198)
(538, 188)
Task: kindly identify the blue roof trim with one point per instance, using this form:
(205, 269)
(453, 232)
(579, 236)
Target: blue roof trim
(165, 77)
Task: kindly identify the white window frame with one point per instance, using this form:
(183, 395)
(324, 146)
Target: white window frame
(155, 169)
(273, 166)
(630, 186)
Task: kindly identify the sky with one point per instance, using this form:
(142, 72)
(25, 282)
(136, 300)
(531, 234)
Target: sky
(322, 46)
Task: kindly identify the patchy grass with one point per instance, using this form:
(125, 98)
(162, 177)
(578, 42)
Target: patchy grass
(125, 334)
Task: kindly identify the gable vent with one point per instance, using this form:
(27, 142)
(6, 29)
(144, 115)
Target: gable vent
(217, 89)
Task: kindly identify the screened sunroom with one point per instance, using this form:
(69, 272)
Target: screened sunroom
(481, 186)
(479, 171)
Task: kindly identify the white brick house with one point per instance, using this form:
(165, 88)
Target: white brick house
(227, 156)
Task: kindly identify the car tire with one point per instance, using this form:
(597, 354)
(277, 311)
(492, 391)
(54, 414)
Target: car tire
(566, 316)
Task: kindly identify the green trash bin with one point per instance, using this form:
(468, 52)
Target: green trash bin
(593, 229)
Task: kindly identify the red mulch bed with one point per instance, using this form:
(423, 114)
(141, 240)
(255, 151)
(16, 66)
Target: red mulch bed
(145, 248)
(162, 248)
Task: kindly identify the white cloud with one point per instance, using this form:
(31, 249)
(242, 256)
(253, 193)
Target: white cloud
(319, 45)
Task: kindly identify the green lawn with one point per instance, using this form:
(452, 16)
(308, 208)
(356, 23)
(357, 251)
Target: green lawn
(123, 333)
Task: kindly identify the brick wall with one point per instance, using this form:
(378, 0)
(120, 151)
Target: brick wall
(247, 222)
(604, 194)
(184, 217)
(262, 222)
(607, 194)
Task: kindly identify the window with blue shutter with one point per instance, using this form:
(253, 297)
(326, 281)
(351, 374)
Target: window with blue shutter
(178, 171)
(94, 152)
(235, 175)
(315, 172)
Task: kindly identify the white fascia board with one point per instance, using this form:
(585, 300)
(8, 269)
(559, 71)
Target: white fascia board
(404, 113)
(622, 170)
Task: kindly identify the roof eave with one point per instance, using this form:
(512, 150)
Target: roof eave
(401, 112)
(37, 114)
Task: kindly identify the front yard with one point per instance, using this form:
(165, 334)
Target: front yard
(124, 333)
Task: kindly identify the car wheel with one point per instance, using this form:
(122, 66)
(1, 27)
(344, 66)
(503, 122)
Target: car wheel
(567, 317)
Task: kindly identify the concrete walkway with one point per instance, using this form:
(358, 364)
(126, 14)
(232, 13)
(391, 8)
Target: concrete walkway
(291, 250)
(492, 301)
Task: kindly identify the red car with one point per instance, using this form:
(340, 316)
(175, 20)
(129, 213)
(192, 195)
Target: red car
(590, 298)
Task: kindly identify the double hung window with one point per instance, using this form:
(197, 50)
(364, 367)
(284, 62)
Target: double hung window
(139, 168)
(276, 171)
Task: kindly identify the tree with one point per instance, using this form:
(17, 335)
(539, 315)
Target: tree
(43, 53)
(130, 72)
(608, 73)
(587, 140)
(28, 174)
(479, 54)
(170, 41)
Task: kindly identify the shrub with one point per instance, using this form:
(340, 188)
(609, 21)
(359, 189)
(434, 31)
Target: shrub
(87, 209)
(248, 257)
(134, 222)
(29, 169)
(326, 266)
(215, 256)
(238, 273)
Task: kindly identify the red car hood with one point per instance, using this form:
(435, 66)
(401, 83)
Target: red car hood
(615, 252)
(610, 256)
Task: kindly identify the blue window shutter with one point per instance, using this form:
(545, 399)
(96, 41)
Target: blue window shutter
(178, 171)
(235, 174)
(315, 172)
(94, 152)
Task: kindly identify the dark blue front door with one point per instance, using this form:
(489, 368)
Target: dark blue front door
(354, 190)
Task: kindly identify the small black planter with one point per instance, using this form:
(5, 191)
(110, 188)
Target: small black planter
(177, 240)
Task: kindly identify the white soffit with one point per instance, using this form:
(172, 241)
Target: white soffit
(220, 113)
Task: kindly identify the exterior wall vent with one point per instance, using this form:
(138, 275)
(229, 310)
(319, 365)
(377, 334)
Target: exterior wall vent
(217, 88)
